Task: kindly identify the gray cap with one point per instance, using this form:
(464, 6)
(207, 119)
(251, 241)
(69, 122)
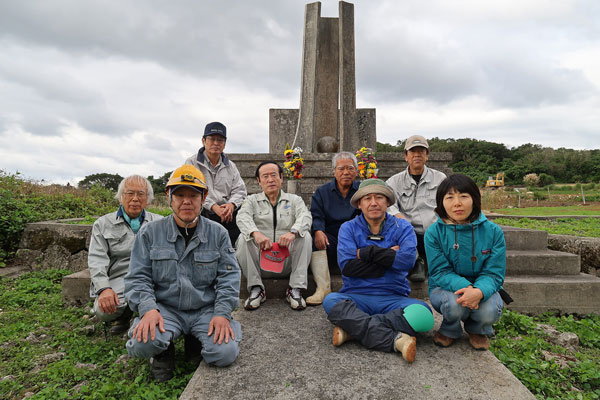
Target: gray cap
(416, 141)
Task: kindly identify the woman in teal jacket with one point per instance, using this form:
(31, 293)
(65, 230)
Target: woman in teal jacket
(466, 255)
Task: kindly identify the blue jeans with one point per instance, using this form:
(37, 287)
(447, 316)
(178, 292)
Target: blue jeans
(195, 322)
(478, 321)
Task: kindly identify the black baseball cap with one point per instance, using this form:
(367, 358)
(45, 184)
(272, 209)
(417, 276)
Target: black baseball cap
(215, 128)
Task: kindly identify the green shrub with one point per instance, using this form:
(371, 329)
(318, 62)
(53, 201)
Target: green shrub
(546, 179)
(22, 202)
(540, 195)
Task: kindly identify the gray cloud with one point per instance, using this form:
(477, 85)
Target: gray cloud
(127, 86)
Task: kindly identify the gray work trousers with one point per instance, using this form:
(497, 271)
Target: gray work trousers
(104, 317)
(189, 322)
(295, 266)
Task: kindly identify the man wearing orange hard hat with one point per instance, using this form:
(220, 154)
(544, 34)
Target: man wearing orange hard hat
(183, 279)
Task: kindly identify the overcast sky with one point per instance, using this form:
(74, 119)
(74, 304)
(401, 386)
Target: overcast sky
(127, 86)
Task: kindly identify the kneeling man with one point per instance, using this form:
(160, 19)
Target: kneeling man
(183, 279)
(375, 252)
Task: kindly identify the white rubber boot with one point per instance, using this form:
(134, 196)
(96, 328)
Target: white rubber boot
(320, 270)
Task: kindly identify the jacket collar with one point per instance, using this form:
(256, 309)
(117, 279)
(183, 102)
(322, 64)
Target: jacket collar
(201, 157)
(353, 188)
(173, 231)
(425, 176)
(120, 213)
(480, 220)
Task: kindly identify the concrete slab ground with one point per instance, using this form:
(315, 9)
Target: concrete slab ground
(287, 354)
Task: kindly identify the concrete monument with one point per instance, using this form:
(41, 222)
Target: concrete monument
(327, 120)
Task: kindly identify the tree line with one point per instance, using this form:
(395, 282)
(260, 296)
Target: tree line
(480, 159)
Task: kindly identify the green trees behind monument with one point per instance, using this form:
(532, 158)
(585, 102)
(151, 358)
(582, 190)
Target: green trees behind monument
(480, 159)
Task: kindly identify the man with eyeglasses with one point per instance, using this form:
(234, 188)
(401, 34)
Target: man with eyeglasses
(226, 189)
(110, 250)
(415, 190)
(330, 208)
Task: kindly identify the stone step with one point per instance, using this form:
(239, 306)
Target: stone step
(276, 288)
(541, 262)
(524, 239)
(286, 354)
(567, 294)
(76, 288)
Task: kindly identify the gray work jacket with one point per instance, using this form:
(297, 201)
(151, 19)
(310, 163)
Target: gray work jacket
(416, 202)
(225, 184)
(110, 249)
(202, 275)
(256, 214)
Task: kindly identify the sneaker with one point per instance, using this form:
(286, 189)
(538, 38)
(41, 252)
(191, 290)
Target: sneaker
(407, 345)
(442, 340)
(192, 349)
(294, 297)
(339, 336)
(163, 364)
(479, 342)
(256, 298)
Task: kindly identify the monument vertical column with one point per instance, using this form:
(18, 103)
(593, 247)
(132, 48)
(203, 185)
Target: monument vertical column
(349, 138)
(327, 93)
(305, 131)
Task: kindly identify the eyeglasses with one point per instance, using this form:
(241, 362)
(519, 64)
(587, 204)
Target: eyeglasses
(130, 193)
(350, 169)
(215, 138)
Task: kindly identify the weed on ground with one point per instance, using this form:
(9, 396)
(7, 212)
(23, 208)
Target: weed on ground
(589, 227)
(56, 352)
(549, 361)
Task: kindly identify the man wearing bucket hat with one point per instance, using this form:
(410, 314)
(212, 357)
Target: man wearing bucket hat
(183, 279)
(226, 188)
(415, 189)
(375, 252)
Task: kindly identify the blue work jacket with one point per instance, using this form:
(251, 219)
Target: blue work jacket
(354, 234)
(163, 270)
(330, 209)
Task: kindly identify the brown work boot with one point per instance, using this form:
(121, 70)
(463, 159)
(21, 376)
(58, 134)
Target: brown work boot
(407, 345)
(479, 342)
(442, 340)
(339, 336)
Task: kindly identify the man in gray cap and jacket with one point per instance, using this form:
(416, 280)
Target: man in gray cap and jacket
(226, 189)
(415, 190)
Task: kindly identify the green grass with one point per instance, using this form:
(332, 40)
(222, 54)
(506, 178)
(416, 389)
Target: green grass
(519, 344)
(589, 227)
(551, 211)
(35, 323)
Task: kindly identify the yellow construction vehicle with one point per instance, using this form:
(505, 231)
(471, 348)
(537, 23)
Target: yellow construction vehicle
(494, 183)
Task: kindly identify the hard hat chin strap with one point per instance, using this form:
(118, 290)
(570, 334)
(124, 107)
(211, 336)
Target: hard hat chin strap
(172, 209)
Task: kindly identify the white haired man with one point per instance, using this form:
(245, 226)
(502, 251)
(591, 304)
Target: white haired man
(110, 251)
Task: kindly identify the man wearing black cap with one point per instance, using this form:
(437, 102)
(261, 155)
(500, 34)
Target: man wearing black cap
(415, 189)
(226, 189)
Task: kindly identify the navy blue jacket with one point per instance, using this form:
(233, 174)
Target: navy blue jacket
(330, 210)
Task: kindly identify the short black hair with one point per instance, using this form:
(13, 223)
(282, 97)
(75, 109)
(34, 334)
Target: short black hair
(462, 184)
(265, 163)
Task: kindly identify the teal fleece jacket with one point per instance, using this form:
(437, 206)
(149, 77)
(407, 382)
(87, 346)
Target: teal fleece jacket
(450, 250)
